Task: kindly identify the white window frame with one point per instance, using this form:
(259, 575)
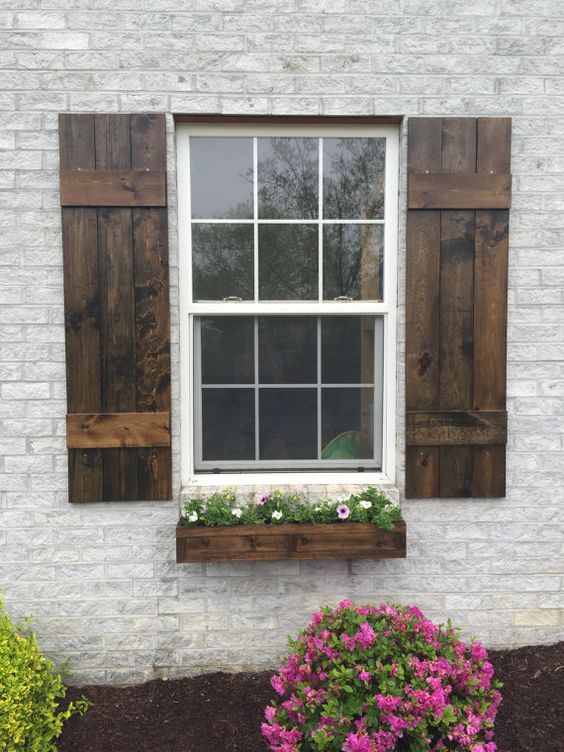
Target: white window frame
(387, 309)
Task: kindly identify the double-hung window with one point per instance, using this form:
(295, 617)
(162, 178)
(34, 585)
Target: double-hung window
(288, 239)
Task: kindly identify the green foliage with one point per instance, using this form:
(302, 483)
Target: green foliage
(282, 508)
(31, 692)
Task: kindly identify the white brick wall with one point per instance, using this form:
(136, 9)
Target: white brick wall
(101, 579)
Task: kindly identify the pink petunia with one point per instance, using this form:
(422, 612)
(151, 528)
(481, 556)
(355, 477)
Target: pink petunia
(357, 743)
(343, 511)
(277, 684)
(478, 652)
(388, 702)
(269, 712)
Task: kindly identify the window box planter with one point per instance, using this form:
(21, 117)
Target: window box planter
(346, 540)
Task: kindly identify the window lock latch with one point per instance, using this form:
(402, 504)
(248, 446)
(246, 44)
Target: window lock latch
(232, 299)
(343, 299)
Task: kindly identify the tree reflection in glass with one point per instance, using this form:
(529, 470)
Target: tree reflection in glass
(353, 178)
(222, 261)
(353, 260)
(288, 178)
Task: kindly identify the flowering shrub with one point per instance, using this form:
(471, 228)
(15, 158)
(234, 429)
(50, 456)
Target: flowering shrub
(377, 679)
(280, 508)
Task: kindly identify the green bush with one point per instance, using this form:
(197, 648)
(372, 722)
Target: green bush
(31, 692)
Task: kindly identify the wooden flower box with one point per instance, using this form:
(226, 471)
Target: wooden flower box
(349, 540)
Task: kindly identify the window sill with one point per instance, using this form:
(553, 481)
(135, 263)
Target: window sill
(312, 485)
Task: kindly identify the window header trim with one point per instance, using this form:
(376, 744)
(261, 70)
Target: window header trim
(348, 120)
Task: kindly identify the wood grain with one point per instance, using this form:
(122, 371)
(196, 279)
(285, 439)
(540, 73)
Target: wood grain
(424, 145)
(488, 471)
(421, 472)
(490, 308)
(422, 310)
(115, 249)
(351, 540)
(113, 187)
(82, 307)
(456, 309)
(455, 472)
(422, 307)
(458, 155)
(456, 428)
(103, 430)
(494, 145)
(464, 191)
(152, 307)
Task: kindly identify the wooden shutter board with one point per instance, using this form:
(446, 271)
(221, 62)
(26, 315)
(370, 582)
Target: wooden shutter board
(115, 228)
(82, 306)
(458, 157)
(122, 474)
(453, 145)
(490, 306)
(422, 314)
(152, 307)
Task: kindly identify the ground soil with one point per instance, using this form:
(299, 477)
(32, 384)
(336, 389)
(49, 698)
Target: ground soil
(222, 712)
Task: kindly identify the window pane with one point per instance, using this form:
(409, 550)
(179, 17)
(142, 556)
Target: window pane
(288, 424)
(287, 350)
(288, 178)
(347, 349)
(353, 178)
(221, 172)
(222, 261)
(227, 350)
(353, 258)
(288, 262)
(347, 419)
(228, 424)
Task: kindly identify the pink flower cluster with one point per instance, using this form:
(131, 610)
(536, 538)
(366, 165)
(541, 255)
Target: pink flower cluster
(359, 679)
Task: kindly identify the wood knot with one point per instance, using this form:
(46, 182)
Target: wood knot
(424, 362)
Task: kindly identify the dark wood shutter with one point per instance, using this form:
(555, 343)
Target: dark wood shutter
(459, 195)
(114, 220)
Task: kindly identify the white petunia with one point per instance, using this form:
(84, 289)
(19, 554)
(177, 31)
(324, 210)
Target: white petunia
(317, 509)
(276, 515)
(236, 512)
(193, 517)
(365, 504)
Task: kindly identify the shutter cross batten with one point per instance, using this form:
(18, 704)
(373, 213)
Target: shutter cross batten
(115, 250)
(459, 193)
(113, 187)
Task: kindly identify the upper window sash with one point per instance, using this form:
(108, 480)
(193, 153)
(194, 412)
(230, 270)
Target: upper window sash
(256, 223)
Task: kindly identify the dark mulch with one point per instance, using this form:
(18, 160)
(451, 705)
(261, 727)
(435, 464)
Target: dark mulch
(223, 712)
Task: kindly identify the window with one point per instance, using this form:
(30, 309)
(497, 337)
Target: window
(288, 295)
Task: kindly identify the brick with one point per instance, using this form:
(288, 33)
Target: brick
(538, 618)
(26, 391)
(495, 569)
(50, 20)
